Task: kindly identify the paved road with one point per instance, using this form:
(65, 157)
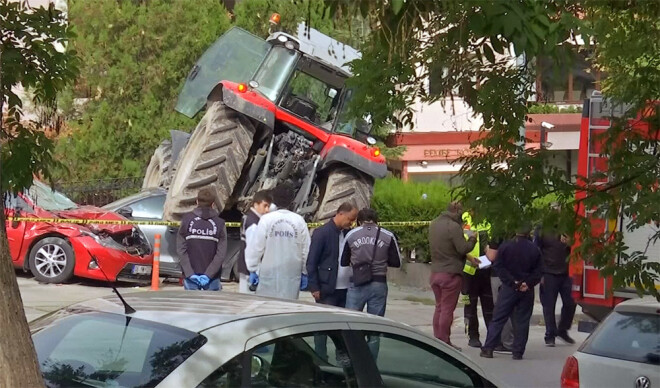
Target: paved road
(541, 367)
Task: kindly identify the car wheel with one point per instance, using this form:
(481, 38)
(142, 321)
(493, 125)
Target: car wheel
(52, 260)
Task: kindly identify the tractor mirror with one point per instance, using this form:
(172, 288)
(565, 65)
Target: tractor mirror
(332, 93)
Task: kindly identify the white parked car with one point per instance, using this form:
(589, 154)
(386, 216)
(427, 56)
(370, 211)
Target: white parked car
(623, 351)
(220, 339)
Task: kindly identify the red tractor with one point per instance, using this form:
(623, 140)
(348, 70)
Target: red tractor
(276, 111)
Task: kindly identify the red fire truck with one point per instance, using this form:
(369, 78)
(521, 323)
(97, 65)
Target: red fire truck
(593, 292)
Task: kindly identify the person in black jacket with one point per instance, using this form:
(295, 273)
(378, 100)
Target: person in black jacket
(260, 205)
(327, 281)
(202, 245)
(518, 265)
(555, 251)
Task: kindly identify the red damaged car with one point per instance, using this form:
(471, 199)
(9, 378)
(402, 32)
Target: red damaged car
(55, 252)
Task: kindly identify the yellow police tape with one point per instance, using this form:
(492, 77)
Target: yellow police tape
(176, 223)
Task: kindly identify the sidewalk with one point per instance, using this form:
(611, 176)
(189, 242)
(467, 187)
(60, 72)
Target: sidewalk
(415, 306)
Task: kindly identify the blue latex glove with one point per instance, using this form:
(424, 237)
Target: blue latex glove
(303, 282)
(195, 278)
(204, 280)
(254, 278)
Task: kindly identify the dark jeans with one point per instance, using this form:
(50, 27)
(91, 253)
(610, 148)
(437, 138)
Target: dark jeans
(338, 299)
(373, 295)
(554, 285)
(478, 287)
(520, 305)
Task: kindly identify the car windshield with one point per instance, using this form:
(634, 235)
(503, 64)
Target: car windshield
(109, 350)
(627, 336)
(235, 56)
(49, 199)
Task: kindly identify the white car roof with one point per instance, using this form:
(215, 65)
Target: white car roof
(646, 305)
(198, 311)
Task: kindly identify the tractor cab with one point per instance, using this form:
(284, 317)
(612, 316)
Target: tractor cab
(300, 79)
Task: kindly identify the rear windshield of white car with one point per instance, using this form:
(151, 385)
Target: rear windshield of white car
(627, 336)
(109, 350)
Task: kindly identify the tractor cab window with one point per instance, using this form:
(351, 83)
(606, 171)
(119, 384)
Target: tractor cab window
(358, 128)
(275, 70)
(234, 57)
(313, 93)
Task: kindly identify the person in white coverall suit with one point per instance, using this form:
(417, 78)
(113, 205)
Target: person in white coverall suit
(277, 257)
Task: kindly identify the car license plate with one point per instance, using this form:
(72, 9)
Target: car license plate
(141, 270)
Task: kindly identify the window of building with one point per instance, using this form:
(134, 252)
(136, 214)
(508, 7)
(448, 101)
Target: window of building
(568, 82)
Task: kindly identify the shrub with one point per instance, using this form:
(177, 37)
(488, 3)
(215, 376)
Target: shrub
(396, 200)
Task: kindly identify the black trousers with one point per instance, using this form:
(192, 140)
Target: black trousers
(337, 298)
(518, 306)
(478, 287)
(553, 286)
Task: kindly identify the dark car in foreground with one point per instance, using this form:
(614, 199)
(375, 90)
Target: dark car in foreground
(221, 339)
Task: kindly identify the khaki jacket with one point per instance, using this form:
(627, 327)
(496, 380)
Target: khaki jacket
(448, 244)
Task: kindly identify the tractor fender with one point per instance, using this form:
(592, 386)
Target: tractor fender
(245, 103)
(342, 155)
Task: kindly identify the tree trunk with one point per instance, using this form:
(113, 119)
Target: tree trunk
(18, 360)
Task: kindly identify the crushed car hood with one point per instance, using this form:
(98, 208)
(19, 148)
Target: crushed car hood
(95, 213)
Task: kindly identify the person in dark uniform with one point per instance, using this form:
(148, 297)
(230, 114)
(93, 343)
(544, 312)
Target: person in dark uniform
(260, 205)
(202, 245)
(556, 282)
(519, 267)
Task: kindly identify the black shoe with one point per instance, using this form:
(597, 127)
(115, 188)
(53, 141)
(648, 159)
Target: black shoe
(486, 353)
(564, 337)
(474, 343)
(502, 349)
(517, 356)
(550, 342)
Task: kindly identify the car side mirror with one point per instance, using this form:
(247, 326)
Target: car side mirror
(126, 212)
(332, 92)
(257, 366)
(15, 223)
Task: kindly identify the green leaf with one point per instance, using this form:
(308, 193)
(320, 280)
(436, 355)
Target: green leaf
(396, 6)
(488, 53)
(538, 31)
(497, 45)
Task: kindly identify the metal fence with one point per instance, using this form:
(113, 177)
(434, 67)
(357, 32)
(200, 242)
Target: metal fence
(100, 192)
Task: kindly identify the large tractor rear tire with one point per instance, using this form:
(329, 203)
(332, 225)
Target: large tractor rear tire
(343, 184)
(159, 170)
(214, 157)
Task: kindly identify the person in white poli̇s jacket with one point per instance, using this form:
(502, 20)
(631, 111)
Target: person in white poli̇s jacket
(277, 259)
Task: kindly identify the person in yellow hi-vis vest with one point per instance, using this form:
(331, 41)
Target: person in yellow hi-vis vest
(476, 283)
